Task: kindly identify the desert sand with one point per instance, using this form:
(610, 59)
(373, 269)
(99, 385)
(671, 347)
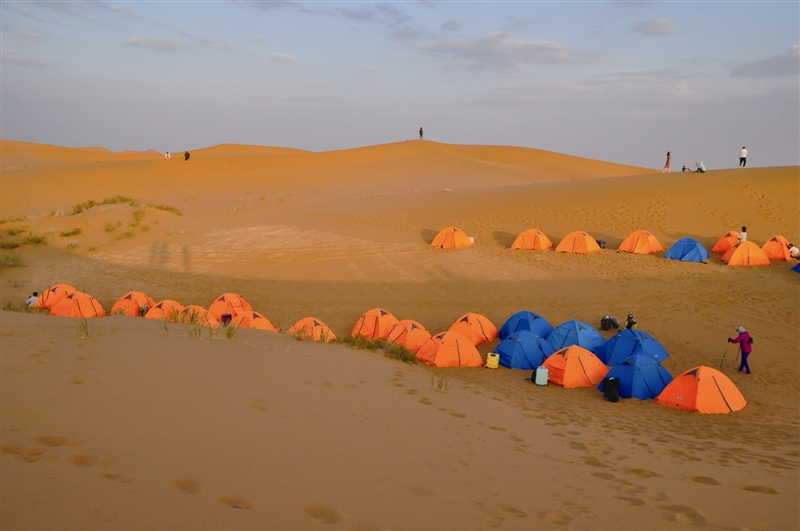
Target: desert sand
(140, 426)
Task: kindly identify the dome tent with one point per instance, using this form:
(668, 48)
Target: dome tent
(451, 238)
(449, 349)
(525, 320)
(578, 242)
(640, 242)
(575, 367)
(523, 350)
(475, 327)
(687, 250)
(728, 240)
(702, 390)
(410, 334)
(532, 240)
(640, 377)
(629, 343)
(374, 324)
(576, 333)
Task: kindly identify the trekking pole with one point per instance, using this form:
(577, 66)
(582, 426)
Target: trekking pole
(737, 352)
(723, 357)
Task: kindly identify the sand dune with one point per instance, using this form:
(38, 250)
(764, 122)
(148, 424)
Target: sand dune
(267, 432)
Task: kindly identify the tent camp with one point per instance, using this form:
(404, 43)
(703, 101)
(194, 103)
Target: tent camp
(777, 248)
(475, 327)
(702, 390)
(451, 238)
(374, 324)
(687, 250)
(575, 367)
(576, 333)
(197, 315)
(410, 334)
(745, 254)
(525, 320)
(78, 305)
(312, 329)
(640, 377)
(52, 295)
(629, 343)
(228, 303)
(449, 349)
(252, 319)
(640, 242)
(578, 242)
(728, 240)
(523, 350)
(132, 303)
(532, 240)
(166, 310)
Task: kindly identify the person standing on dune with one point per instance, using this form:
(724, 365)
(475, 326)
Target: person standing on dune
(743, 235)
(420, 133)
(745, 343)
(743, 157)
(668, 165)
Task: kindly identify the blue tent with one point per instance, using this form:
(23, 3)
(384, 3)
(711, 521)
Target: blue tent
(576, 333)
(525, 320)
(640, 377)
(687, 250)
(629, 343)
(523, 350)
(796, 268)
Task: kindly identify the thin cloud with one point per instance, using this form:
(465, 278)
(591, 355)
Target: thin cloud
(361, 14)
(406, 33)
(282, 58)
(156, 43)
(396, 16)
(272, 5)
(777, 66)
(217, 45)
(383, 13)
(259, 39)
(78, 8)
(26, 13)
(22, 59)
(501, 49)
(655, 27)
(451, 25)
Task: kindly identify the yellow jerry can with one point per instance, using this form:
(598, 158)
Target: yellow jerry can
(492, 360)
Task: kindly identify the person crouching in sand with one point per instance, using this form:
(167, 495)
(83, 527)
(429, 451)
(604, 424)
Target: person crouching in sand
(746, 344)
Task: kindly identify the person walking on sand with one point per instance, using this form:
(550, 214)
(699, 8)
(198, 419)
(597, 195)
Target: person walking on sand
(746, 344)
(743, 235)
(420, 133)
(743, 157)
(668, 165)
(186, 156)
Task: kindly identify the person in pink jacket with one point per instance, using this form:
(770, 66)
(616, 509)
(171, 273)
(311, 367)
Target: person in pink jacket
(746, 344)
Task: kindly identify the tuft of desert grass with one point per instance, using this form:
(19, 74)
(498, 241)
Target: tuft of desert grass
(110, 200)
(84, 331)
(123, 235)
(12, 220)
(440, 384)
(19, 229)
(166, 208)
(11, 307)
(73, 244)
(111, 227)
(34, 239)
(73, 232)
(11, 259)
(8, 245)
(231, 331)
(390, 349)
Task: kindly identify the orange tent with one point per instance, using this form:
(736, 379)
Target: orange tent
(167, 310)
(532, 239)
(198, 315)
(375, 324)
(578, 242)
(475, 327)
(251, 319)
(745, 254)
(451, 238)
(640, 242)
(728, 240)
(777, 248)
(449, 349)
(575, 367)
(78, 305)
(314, 329)
(702, 390)
(410, 334)
(131, 304)
(228, 303)
(52, 295)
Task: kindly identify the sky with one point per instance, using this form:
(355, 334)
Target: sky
(622, 81)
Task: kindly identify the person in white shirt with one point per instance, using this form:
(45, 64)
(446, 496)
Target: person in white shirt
(31, 302)
(743, 157)
(794, 252)
(701, 168)
(743, 235)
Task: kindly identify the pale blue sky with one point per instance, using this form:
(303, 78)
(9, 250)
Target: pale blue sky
(619, 81)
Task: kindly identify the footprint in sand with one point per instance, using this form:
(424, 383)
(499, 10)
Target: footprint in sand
(759, 488)
(82, 460)
(683, 514)
(575, 445)
(558, 518)
(324, 514)
(188, 486)
(237, 503)
(29, 455)
(603, 475)
(630, 500)
(425, 401)
(458, 415)
(515, 512)
(641, 472)
(497, 428)
(411, 391)
(51, 440)
(78, 381)
(705, 480)
(594, 462)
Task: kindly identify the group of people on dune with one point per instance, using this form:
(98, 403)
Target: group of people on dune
(700, 167)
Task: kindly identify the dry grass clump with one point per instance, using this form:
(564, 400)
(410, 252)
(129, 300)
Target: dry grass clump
(166, 208)
(12, 220)
(11, 259)
(389, 349)
(123, 235)
(4, 244)
(34, 239)
(19, 229)
(110, 200)
(11, 307)
(73, 244)
(73, 232)
(111, 227)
